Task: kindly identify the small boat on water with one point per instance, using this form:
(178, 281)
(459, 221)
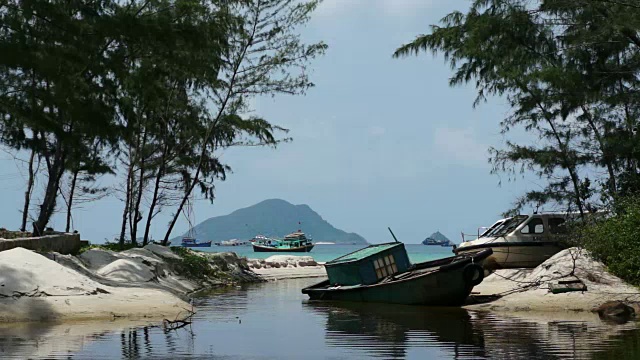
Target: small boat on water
(294, 242)
(382, 273)
(522, 241)
(192, 242)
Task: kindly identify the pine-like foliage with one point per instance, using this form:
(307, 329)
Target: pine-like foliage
(569, 70)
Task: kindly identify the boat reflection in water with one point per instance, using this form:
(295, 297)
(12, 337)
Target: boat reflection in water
(403, 332)
(394, 331)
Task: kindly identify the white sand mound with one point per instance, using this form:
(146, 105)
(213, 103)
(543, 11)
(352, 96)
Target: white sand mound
(26, 273)
(36, 288)
(97, 258)
(127, 270)
(287, 259)
(278, 267)
(142, 254)
(279, 261)
(528, 289)
(162, 251)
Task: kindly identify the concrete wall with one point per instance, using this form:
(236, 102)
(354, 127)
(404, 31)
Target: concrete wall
(62, 243)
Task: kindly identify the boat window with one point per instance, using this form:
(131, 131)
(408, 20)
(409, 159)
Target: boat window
(534, 226)
(508, 226)
(557, 226)
(385, 266)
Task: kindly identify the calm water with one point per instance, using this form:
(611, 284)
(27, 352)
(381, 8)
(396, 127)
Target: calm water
(275, 321)
(417, 252)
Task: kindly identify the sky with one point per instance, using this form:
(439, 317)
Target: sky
(377, 142)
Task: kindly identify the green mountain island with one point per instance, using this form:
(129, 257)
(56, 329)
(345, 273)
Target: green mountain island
(273, 218)
(437, 239)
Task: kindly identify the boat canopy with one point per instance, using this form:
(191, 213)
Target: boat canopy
(369, 265)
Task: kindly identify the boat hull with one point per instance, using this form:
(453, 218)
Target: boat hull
(439, 285)
(511, 255)
(203, 244)
(259, 248)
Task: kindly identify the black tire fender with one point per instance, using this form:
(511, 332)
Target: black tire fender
(473, 274)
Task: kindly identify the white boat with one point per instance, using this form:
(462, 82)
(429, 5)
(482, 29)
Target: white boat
(522, 241)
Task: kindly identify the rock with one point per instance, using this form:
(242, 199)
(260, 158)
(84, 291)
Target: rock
(616, 311)
(636, 308)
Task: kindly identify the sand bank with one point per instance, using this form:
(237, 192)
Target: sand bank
(138, 283)
(279, 267)
(529, 289)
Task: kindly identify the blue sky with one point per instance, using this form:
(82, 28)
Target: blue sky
(378, 142)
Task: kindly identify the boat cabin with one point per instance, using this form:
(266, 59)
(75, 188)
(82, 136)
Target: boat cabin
(188, 240)
(369, 265)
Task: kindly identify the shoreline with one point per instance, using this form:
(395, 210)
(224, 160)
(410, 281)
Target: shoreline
(150, 283)
(282, 267)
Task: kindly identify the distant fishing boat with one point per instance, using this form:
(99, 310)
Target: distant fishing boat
(192, 242)
(294, 242)
(383, 273)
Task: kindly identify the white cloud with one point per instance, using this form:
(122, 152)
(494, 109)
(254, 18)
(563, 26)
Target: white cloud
(459, 146)
(403, 7)
(336, 7)
(377, 131)
(387, 7)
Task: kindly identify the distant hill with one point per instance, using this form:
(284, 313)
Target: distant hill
(272, 217)
(437, 239)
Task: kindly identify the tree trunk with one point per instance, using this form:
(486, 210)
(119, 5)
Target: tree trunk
(127, 201)
(51, 192)
(27, 193)
(74, 178)
(605, 153)
(136, 209)
(182, 202)
(154, 199)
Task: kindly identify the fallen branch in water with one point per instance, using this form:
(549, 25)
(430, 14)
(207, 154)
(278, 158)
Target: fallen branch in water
(176, 324)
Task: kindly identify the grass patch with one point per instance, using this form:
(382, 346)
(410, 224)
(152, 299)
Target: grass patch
(192, 264)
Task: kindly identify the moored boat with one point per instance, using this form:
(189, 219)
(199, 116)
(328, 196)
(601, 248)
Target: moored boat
(383, 273)
(294, 242)
(192, 242)
(522, 241)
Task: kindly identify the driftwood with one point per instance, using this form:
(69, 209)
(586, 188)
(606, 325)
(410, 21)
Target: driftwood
(176, 324)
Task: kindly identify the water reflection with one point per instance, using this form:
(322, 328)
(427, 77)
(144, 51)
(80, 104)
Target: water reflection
(388, 331)
(275, 321)
(392, 331)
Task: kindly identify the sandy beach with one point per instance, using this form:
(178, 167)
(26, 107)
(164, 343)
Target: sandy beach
(101, 284)
(528, 290)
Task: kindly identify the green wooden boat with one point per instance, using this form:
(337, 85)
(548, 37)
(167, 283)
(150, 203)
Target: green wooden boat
(294, 242)
(382, 273)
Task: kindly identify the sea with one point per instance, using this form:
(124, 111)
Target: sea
(324, 253)
(274, 320)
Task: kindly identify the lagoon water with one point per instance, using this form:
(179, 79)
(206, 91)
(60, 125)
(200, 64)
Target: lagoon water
(275, 321)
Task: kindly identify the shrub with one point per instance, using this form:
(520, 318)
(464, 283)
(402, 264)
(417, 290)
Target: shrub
(192, 264)
(616, 240)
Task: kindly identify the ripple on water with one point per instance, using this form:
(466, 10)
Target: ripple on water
(275, 321)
